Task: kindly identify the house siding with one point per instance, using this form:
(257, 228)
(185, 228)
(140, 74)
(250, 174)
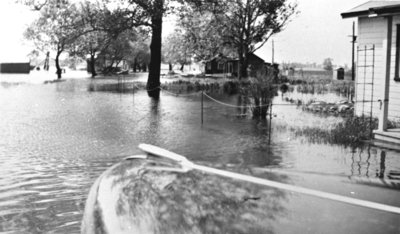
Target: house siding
(394, 89)
(230, 66)
(373, 32)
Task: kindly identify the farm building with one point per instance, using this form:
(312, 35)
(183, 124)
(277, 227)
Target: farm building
(378, 64)
(15, 67)
(230, 66)
(15, 63)
(219, 64)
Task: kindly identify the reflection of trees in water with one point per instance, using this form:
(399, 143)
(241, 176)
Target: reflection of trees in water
(120, 85)
(242, 103)
(257, 95)
(155, 119)
(162, 201)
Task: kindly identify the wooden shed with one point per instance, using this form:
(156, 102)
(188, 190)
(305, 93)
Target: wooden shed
(14, 67)
(378, 63)
(230, 66)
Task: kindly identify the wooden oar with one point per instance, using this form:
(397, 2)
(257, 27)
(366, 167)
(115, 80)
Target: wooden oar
(186, 164)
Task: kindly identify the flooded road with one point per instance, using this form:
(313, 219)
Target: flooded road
(57, 138)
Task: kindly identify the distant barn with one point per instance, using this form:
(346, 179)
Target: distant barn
(15, 67)
(230, 66)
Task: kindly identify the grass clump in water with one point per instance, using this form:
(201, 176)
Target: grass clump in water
(352, 131)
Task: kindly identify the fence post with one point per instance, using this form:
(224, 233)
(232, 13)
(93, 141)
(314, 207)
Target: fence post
(202, 105)
(270, 124)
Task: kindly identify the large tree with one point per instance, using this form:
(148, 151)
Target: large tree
(140, 56)
(248, 24)
(96, 39)
(148, 13)
(177, 49)
(89, 46)
(252, 23)
(102, 28)
(202, 33)
(57, 27)
(37, 5)
(119, 49)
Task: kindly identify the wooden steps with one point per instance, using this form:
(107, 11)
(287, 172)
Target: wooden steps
(391, 137)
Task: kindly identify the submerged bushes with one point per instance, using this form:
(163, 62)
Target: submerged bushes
(180, 86)
(260, 90)
(256, 92)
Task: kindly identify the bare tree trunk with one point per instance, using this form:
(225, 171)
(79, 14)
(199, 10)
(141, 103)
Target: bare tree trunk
(264, 106)
(93, 65)
(240, 63)
(257, 108)
(135, 65)
(153, 82)
(144, 67)
(245, 62)
(58, 65)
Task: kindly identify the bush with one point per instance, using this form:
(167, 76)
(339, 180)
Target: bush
(261, 90)
(231, 87)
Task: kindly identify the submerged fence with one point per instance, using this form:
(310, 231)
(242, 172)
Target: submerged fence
(204, 94)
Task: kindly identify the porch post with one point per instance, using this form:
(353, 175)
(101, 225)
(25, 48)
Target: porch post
(387, 46)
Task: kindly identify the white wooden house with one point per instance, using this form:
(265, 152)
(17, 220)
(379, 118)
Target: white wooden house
(378, 64)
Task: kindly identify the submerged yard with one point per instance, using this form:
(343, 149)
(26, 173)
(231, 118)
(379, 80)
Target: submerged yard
(57, 138)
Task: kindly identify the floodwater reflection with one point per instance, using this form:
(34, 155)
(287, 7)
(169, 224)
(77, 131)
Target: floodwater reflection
(57, 138)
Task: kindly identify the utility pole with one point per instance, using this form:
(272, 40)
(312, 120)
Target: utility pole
(273, 52)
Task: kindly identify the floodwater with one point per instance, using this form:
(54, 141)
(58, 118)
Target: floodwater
(57, 138)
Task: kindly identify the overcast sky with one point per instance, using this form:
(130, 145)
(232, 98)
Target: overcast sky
(13, 19)
(317, 32)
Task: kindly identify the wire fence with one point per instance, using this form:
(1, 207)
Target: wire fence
(232, 105)
(268, 114)
(250, 105)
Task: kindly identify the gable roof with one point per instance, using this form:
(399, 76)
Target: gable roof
(219, 58)
(256, 57)
(223, 58)
(373, 7)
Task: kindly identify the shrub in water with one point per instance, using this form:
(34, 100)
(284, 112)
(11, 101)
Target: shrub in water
(261, 89)
(231, 87)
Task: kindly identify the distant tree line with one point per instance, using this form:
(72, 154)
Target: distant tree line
(327, 65)
(131, 30)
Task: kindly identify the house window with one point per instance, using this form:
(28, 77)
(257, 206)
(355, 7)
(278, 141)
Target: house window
(220, 66)
(396, 71)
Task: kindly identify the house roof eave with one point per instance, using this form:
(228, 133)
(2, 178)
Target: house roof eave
(375, 8)
(346, 15)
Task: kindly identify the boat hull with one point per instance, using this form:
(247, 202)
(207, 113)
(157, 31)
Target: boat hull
(153, 195)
